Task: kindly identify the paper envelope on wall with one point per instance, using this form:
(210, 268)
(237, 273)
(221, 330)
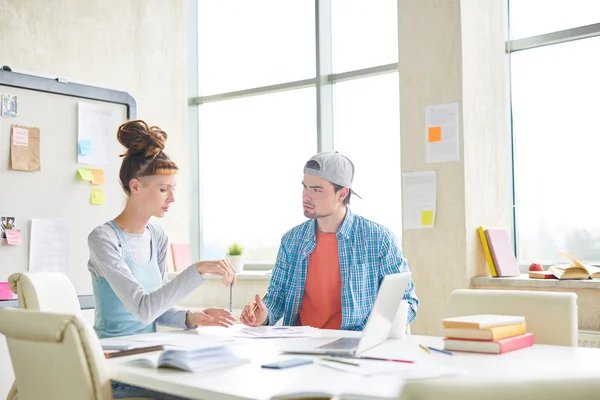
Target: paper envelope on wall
(25, 148)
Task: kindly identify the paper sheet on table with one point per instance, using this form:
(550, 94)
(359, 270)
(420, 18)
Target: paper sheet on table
(441, 133)
(49, 245)
(401, 370)
(96, 128)
(183, 340)
(276, 332)
(419, 192)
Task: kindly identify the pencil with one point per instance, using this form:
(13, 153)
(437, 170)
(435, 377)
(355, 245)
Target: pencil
(440, 350)
(424, 348)
(341, 362)
(138, 350)
(256, 306)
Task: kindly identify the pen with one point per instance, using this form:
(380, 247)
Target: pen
(387, 359)
(424, 348)
(440, 350)
(256, 306)
(137, 350)
(341, 362)
(231, 298)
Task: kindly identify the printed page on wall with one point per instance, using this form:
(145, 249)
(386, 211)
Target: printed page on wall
(442, 133)
(419, 191)
(49, 245)
(96, 133)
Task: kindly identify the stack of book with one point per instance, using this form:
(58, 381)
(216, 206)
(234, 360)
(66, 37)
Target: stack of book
(486, 333)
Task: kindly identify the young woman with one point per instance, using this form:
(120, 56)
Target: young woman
(128, 254)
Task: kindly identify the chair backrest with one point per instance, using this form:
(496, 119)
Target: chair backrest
(55, 356)
(457, 389)
(550, 316)
(45, 291)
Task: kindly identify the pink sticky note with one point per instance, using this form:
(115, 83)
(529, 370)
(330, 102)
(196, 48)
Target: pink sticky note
(5, 292)
(13, 237)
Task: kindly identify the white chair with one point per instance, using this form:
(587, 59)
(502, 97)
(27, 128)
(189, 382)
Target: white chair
(55, 356)
(452, 389)
(550, 316)
(43, 291)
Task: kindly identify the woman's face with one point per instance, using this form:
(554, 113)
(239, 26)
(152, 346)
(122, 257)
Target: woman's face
(154, 194)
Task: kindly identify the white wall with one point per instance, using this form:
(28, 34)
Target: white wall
(137, 46)
(453, 50)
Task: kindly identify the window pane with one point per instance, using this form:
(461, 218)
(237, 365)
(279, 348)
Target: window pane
(536, 17)
(555, 108)
(367, 130)
(245, 44)
(364, 33)
(252, 154)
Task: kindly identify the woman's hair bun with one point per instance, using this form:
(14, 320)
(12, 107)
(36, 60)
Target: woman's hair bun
(141, 139)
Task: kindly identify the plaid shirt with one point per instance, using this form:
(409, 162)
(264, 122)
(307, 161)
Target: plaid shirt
(367, 252)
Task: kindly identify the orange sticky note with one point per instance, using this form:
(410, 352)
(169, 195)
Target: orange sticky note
(98, 177)
(434, 134)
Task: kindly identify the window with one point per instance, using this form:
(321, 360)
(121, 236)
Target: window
(262, 112)
(367, 132)
(556, 142)
(252, 154)
(537, 17)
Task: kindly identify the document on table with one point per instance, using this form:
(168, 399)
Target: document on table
(403, 371)
(419, 192)
(179, 340)
(276, 332)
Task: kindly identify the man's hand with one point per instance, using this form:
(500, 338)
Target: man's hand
(254, 313)
(219, 267)
(210, 317)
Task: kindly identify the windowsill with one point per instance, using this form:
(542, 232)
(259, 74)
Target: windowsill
(244, 275)
(523, 280)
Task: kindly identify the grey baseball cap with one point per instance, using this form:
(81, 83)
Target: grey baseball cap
(333, 167)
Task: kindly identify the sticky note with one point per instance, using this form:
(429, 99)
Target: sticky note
(98, 177)
(5, 292)
(85, 174)
(13, 237)
(85, 147)
(20, 137)
(97, 197)
(434, 134)
(427, 218)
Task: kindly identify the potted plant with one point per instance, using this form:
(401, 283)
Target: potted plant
(235, 257)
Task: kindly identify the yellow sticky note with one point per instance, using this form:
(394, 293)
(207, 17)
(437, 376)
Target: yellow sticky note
(97, 197)
(97, 177)
(85, 174)
(426, 218)
(434, 134)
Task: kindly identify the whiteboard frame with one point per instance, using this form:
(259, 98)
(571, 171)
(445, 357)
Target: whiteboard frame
(63, 87)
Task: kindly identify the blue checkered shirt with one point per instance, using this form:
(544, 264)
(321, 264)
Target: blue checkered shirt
(367, 252)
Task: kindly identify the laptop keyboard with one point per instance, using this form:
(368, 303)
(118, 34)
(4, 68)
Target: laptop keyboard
(341, 344)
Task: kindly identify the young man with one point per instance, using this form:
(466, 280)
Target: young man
(329, 268)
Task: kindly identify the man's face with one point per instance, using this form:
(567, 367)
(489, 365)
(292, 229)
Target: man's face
(319, 199)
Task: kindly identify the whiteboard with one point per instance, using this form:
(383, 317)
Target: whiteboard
(56, 191)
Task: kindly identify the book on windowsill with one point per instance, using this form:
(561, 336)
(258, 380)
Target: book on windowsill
(490, 346)
(193, 360)
(542, 275)
(482, 321)
(494, 333)
(574, 270)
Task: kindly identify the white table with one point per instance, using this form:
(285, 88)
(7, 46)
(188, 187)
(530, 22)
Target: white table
(250, 381)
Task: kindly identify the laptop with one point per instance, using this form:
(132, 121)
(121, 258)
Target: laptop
(377, 329)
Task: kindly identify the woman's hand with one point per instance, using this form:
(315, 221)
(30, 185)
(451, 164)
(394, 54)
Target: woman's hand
(218, 267)
(210, 317)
